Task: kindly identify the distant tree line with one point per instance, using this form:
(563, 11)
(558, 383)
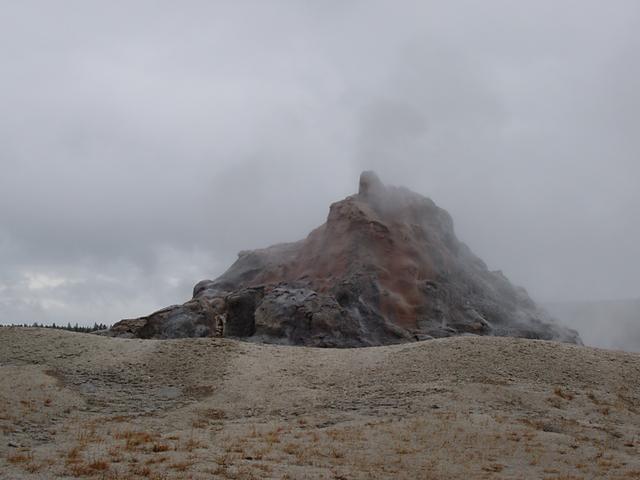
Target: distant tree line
(69, 327)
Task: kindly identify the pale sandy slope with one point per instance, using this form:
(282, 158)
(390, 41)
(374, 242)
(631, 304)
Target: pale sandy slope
(77, 405)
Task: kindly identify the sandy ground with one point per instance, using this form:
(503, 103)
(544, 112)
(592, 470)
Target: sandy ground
(79, 405)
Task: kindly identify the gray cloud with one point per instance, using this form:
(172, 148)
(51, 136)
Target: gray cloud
(143, 144)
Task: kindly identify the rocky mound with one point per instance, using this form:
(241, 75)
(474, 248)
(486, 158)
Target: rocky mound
(385, 268)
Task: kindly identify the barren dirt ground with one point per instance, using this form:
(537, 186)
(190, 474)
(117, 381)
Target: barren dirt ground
(79, 405)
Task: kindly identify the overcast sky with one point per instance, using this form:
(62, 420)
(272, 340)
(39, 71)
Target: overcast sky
(144, 143)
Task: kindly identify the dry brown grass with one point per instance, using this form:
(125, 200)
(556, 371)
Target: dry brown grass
(291, 448)
(181, 466)
(239, 472)
(274, 435)
(20, 457)
(160, 447)
(348, 434)
(558, 391)
(142, 471)
(74, 454)
(493, 467)
(212, 414)
(99, 465)
(199, 423)
(33, 467)
(193, 443)
(94, 467)
(336, 453)
(115, 454)
(592, 396)
(156, 459)
(26, 461)
(564, 477)
(88, 434)
(134, 439)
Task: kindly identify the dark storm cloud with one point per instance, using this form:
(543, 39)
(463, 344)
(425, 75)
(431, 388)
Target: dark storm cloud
(142, 144)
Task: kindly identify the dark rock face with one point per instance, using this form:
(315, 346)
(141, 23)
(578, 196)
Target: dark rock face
(301, 316)
(196, 318)
(385, 268)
